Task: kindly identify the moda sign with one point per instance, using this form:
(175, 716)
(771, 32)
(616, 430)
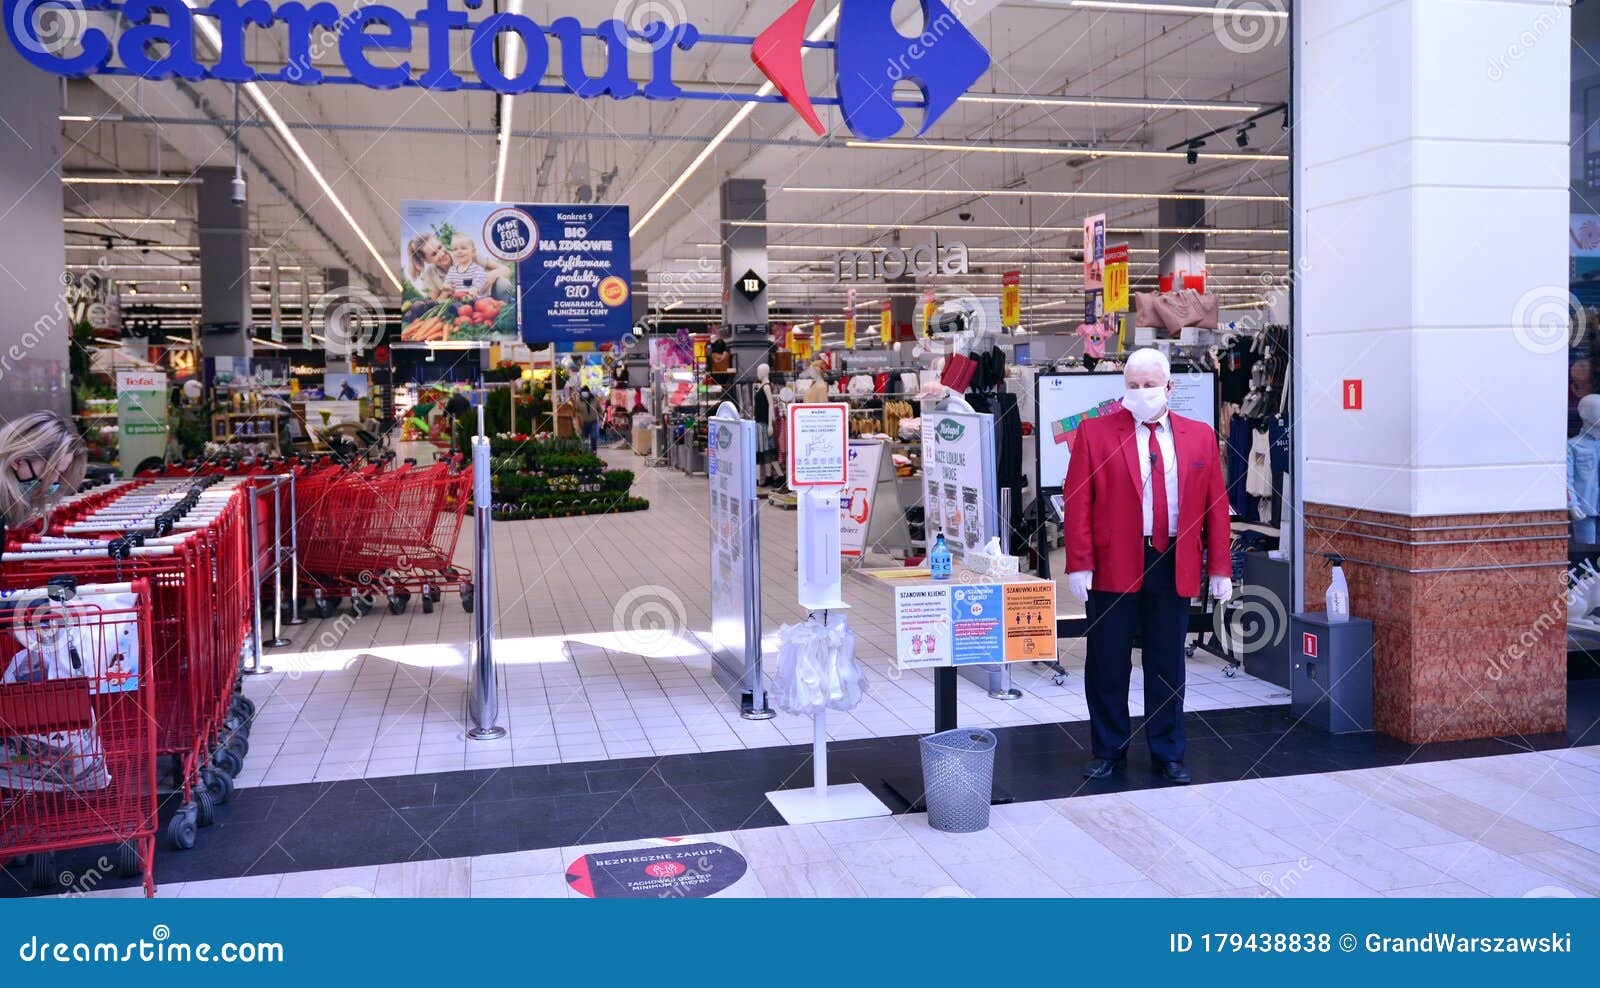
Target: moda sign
(924, 261)
(157, 40)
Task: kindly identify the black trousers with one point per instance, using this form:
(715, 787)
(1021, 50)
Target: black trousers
(1160, 618)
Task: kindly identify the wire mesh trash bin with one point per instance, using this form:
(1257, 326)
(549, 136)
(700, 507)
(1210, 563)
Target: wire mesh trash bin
(958, 778)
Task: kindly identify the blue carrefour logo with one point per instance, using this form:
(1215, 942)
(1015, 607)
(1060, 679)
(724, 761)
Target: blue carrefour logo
(375, 43)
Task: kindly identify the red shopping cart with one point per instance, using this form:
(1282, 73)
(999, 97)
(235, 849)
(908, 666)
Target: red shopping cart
(77, 727)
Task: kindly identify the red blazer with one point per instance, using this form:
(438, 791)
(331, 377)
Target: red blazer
(1104, 493)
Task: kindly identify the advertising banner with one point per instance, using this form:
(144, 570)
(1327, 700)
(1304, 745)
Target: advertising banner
(886, 323)
(141, 418)
(1011, 299)
(856, 503)
(490, 272)
(1116, 278)
(958, 478)
(1094, 252)
(816, 335)
(850, 319)
(929, 306)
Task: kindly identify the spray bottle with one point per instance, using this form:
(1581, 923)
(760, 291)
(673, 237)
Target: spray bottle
(1338, 591)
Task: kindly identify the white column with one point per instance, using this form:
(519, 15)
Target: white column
(1431, 182)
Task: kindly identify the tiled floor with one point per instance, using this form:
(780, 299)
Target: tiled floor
(1423, 830)
(601, 657)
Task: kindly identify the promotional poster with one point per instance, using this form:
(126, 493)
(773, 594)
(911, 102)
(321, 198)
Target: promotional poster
(485, 272)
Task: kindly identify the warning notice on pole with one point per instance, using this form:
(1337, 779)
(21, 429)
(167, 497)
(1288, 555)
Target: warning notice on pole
(1030, 610)
(966, 624)
(922, 626)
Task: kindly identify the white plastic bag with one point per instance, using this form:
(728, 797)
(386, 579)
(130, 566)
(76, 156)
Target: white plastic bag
(817, 668)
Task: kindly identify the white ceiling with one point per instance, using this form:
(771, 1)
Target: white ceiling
(376, 149)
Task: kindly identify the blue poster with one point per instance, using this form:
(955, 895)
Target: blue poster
(486, 272)
(576, 281)
(976, 630)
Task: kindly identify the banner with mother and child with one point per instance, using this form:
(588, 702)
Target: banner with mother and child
(487, 272)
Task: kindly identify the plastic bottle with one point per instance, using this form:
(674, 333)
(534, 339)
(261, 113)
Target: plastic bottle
(1338, 592)
(939, 559)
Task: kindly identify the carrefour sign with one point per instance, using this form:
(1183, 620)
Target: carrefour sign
(157, 39)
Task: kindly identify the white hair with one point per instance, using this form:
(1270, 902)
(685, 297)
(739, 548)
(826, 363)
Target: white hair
(1146, 358)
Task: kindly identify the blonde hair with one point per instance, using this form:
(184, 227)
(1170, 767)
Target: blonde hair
(38, 436)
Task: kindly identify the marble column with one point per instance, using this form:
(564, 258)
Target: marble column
(1431, 179)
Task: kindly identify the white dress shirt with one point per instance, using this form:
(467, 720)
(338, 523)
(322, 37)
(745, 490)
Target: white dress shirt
(1169, 460)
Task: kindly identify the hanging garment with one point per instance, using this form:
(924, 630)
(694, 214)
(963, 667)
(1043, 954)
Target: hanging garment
(1258, 470)
(1244, 506)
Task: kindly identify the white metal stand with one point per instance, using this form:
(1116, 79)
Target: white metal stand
(822, 802)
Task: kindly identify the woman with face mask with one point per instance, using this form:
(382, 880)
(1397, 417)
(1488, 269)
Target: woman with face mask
(42, 457)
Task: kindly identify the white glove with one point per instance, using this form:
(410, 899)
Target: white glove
(1221, 588)
(1576, 513)
(1078, 584)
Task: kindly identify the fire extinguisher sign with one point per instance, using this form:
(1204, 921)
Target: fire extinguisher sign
(1308, 645)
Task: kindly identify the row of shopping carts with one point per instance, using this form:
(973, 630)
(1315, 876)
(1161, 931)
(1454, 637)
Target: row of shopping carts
(128, 618)
(365, 532)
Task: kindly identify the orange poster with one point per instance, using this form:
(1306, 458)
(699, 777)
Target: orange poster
(1030, 621)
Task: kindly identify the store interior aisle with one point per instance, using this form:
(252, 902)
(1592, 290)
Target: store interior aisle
(601, 657)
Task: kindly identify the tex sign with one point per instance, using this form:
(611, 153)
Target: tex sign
(158, 40)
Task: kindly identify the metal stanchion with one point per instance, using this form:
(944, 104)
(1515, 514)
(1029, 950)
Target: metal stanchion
(294, 557)
(277, 640)
(255, 668)
(1003, 690)
(483, 699)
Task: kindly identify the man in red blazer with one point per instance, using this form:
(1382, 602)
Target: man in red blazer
(1144, 498)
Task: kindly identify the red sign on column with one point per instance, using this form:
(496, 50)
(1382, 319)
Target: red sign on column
(1308, 644)
(1352, 395)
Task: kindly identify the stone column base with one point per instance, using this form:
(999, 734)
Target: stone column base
(1469, 616)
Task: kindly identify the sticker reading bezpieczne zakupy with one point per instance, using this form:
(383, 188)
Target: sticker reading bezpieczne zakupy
(689, 871)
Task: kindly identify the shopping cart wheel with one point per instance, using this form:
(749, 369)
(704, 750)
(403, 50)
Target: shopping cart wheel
(239, 743)
(42, 871)
(130, 864)
(217, 784)
(397, 604)
(466, 599)
(205, 807)
(182, 831)
(228, 762)
(245, 704)
(360, 603)
(325, 607)
(1231, 671)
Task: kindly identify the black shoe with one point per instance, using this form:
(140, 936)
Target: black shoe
(1100, 768)
(1173, 772)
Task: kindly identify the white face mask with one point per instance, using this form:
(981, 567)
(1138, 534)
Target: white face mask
(1145, 404)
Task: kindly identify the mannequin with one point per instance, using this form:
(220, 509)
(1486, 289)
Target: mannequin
(766, 418)
(1583, 472)
(817, 390)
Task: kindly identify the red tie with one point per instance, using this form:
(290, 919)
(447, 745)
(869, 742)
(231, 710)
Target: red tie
(1159, 537)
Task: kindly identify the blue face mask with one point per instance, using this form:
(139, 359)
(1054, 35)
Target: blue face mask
(29, 487)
